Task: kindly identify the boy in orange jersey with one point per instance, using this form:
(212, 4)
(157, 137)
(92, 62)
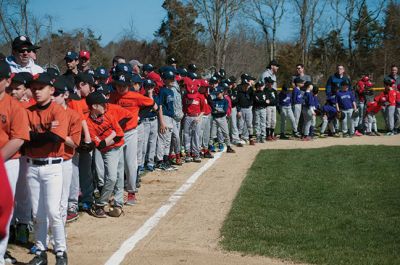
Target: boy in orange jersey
(48, 132)
(72, 140)
(13, 132)
(18, 89)
(131, 101)
(108, 137)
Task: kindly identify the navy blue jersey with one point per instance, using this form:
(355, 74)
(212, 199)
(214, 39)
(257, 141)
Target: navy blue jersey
(219, 107)
(331, 99)
(315, 101)
(151, 113)
(308, 99)
(166, 101)
(329, 111)
(297, 96)
(345, 99)
(285, 99)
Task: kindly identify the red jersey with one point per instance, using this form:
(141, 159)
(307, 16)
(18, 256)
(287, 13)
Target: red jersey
(392, 97)
(102, 127)
(193, 104)
(373, 107)
(14, 122)
(207, 107)
(74, 131)
(398, 99)
(131, 101)
(40, 121)
(229, 111)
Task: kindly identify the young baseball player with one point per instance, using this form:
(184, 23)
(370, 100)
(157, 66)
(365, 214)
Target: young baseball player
(390, 105)
(260, 111)
(271, 102)
(346, 103)
(285, 105)
(205, 123)
(48, 132)
(13, 133)
(72, 140)
(150, 124)
(297, 99)
(18, 89)
(316, 105)
(331, 101)
(131, 101)
(308, 110)
(245, 109)
(108, 137)
(373, 108)
(193, 107)
(219, 110)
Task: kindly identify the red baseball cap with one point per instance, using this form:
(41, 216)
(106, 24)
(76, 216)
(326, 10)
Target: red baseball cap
(84, 54)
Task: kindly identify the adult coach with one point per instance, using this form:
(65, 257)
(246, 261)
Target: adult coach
(337, 79)
(394, 70)
(301, 74)
(271, 72)
(21, 59)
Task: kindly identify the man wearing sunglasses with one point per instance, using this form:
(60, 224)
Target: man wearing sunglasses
(21, 58)
(300, 73)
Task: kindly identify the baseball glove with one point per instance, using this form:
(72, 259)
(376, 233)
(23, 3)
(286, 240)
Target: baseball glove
(340, 115)
(85, 147)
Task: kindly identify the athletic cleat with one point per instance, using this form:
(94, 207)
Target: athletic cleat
(178, 161)
(284, 137)
(22, 234)
(39, 259)
(306, 138)
(252, 142)
(357, 133)
(72, 215)
(269, 138)
(131, 199)
(86, 206)
(239, 144)
(61, 258)
(346, 135)
(220, 147)
(211, 148)
(197, 159)
(140, 170)
(262, 140)
(188, 159)
(337, 135)
(377, 134)
(98, 211)
(10, 259)
(389, 133)
(230, 150)
(116, 211)
(150, 168)
(322, 135)
(207, 154)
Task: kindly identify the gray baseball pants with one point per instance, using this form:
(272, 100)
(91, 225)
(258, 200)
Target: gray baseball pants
(260, 118)
(308, 117)
(271, 117)
(348, 121)
(389, 117)
(150, 140)
(246, 122)
(191, 132)
(287, 112)
(297, 113)
(140, 145)
(220, 123)
(234, 126)
(164, 139)
(205, 131)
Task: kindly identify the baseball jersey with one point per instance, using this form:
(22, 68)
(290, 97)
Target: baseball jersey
(166, 99)
(297, 96)
(373, 107)
(308, 100)
(102, 127)
(6, 200)
(26, 103)
(398, 99)
(14, 122)
(40, 119)
(74, 131)
(207, 107)
(77, 106)
(345, 99)
(131, 101)
(193, 104)
(392, 97)
(285, 99)
(219, 108)
(122, 115)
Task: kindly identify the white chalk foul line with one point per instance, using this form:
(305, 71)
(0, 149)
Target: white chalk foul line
(152, 222)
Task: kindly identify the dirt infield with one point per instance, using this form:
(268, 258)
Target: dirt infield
(189, 233)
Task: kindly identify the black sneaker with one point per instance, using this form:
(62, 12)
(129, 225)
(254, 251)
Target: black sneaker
(9, 259)
(61, 258)
(283, 137)
(230, 150)
(39, 259)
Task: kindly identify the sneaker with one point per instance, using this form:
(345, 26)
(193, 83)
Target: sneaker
(96, 193)
(269, 138)
(283, 137)
(131, 199)
(357, 133)
(160, 166)
(207, 154)
(178, 161)
(98, 211)
(252, 142)
(389, 133)
(188, 159)
(116, 211)
(230, 150)
(197, 159)
(306, 138)
(22, 234)
(337, 135)
(10, 259)
(61, 258)
(220, 147)
(150, 168)
(39, 259)
(211, 148)
(239, 144)
(86, 206)
(274, 138)
(377, 134)
(72, 215)
(296, 135)
(11, 233)
(346, 135)
(322, 135)
(140, 170)
(169, 166)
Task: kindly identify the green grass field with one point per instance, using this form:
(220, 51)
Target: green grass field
(336, 205)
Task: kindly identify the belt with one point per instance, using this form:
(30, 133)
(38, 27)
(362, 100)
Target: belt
(43, 162)
(150, 119)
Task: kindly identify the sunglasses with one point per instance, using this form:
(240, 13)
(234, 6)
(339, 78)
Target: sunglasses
(25, 50)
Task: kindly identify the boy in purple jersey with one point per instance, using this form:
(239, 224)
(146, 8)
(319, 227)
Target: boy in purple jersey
(308, 110)
(285, 107)
(315, 104)
(346, 103)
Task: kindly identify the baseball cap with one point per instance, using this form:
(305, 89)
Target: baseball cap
(60, 86)
(85, 78)
(5, 70)
(268, 80)
(219, 89)
(84, 54)
(53, 72)
(23, 78)
(23, 41)
(274, 62)
(101, 72)
(308, 83)
(123, 68)
(192, 67)
(345, 83)
(136, 78)
(182, 72)
(103, 88)
(285, 87)
(122, 78)
(148, 67)
(134, 63)
(148, 84)
(388, 81)
(43, 78)
(259, 83)
(224, 86)
(168, 75)
(171, 60)
(64, 80)
(192, 75)
(298, 80)
(96, 98)
(71, 55)
(213, 80)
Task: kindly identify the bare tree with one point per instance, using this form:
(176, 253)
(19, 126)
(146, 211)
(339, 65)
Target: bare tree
(218, 16)
(267, 14)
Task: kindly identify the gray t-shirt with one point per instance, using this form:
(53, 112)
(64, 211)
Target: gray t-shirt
(269, 73)
(304, 77)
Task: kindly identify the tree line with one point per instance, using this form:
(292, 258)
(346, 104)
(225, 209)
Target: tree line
(237, 35)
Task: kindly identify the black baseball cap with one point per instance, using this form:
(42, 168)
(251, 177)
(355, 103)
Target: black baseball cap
(60, 86)
(71, 55)
(5, 70)
(148, 84)
(96, 97)
(43, 78)
(23, 78)
(274, 62)
(103, 88)
(298, 80)
(268, 80)
(23, 42)
(84, 77)
(122, 78)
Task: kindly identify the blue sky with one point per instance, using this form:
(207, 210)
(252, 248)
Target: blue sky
(111, 18)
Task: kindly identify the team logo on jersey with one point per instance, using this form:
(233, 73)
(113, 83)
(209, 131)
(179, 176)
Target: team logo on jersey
(3, 118)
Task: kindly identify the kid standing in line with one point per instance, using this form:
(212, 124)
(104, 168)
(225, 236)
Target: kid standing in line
(346, 103)
(271, 101)
(260, 112)
(308, 110)
(285, 105)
